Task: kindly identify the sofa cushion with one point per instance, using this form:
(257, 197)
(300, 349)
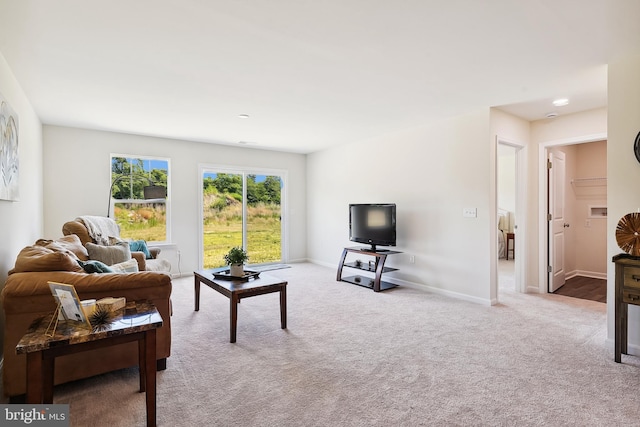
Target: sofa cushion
(109, 254)
(93, 266)
(130, 266)
(70, 243)
(40, 258)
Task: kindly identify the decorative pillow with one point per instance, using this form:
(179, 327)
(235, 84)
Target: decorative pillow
(39, 258)
(140, 246)
(113, 240)
(93, 266)
(109, 254)
(130, 266)
(70, 243)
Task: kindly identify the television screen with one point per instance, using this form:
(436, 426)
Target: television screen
(373, 223)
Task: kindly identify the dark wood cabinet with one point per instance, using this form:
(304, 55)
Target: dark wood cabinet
(374, 264)
(627, 292)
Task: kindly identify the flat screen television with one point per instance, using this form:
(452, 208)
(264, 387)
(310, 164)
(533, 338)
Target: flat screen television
(373, 223)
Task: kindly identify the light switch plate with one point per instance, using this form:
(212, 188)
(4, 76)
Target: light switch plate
(470, 212)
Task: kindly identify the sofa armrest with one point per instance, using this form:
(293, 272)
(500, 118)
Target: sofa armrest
(142, 260)
(77, 228)
(154, 251)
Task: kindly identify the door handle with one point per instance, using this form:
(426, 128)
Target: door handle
(565, 225)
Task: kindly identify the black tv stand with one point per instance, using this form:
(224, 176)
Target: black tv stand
(378, 268)
(377, 251)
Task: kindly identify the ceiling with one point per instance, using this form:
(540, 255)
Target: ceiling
(309, 74)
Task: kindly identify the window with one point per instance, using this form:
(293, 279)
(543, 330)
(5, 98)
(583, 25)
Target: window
(138, 201)
(242, 207)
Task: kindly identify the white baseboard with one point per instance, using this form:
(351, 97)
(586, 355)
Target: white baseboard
(421, 286)
(440, 291)
(324, 264)
(584, 273)
(183, 274)
(592, 274)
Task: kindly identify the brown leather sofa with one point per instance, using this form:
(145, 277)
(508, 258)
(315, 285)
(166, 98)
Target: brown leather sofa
(154, 264)
(26, 296)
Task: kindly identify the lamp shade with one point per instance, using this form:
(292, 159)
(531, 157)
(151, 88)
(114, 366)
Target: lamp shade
(151, 191)
(155, 192)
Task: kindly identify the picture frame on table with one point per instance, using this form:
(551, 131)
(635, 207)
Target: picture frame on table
(69, 303)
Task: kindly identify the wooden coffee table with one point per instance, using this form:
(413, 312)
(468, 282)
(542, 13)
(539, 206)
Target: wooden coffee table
(235, 290)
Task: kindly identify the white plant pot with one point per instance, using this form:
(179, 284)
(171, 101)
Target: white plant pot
(236, 270)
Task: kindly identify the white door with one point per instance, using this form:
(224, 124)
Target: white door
(558, 222)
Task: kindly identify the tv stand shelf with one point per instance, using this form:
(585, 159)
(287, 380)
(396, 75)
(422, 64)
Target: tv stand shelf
(378, 268)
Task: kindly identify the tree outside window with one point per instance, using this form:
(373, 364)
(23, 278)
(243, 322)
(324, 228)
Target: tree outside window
(139, 218)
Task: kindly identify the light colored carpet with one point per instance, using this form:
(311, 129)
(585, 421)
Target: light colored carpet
(352, 357)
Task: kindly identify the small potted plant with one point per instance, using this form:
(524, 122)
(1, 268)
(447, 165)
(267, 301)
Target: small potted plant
(235, 259)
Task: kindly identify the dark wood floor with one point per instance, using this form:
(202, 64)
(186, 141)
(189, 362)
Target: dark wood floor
(584, 288)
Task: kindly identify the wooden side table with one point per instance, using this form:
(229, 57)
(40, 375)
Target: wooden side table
(511, 237)
(138, 321)
(627, 292)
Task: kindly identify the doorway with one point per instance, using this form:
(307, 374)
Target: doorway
(573, 231)
(241, 208)
(510, 216)
(506, 180)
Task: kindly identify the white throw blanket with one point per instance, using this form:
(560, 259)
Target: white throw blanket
(100, 228)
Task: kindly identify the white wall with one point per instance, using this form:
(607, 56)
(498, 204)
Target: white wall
(21, 221)
(570, 127)
(591, 232)
(77, 173)
(623, 171)
(508, 129)
(507, 178)
(431, 173)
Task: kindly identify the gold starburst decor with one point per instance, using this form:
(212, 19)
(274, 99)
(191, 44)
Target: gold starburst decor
(101, 317)
(628, 233)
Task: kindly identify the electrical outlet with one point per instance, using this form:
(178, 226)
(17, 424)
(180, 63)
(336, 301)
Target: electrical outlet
(587, 223)
(412, 259)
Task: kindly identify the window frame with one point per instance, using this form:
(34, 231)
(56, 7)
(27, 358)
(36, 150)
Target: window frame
(242, 170)
(166, 201)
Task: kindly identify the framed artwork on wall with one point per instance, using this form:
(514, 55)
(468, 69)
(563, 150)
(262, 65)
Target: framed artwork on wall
(9, 189)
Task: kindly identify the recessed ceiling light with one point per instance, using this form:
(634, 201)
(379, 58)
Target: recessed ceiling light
(551, 115)
(560, 102)
(243, 116)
